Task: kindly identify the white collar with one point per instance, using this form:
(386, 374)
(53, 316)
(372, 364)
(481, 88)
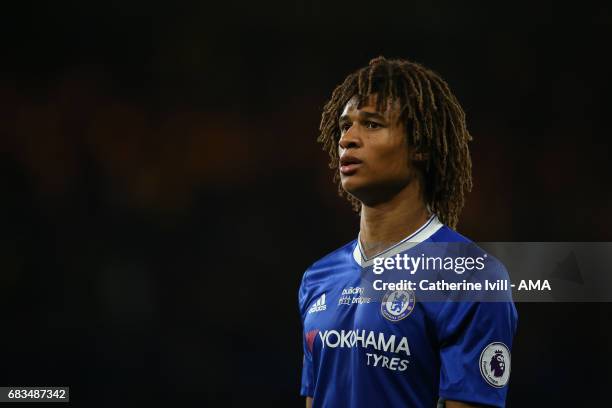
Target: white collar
(424, 232)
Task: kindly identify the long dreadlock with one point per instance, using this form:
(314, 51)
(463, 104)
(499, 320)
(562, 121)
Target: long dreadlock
(434, 122)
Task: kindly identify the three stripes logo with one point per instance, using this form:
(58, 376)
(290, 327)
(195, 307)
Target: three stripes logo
(319, 305)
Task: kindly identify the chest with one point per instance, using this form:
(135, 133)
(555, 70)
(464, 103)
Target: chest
(347, 315)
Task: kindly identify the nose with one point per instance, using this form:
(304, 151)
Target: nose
(350, 139)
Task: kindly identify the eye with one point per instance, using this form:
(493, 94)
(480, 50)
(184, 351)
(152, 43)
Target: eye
(372, 125)
(344, 127)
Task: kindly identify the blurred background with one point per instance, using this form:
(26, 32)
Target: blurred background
(162, 191)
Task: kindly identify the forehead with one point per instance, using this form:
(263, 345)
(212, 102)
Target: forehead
(353, 106)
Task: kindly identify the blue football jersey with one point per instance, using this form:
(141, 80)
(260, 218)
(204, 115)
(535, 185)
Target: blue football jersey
(395, 348)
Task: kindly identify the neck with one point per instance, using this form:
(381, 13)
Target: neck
(384, 224)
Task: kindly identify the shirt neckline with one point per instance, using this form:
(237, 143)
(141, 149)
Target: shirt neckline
(426, 230)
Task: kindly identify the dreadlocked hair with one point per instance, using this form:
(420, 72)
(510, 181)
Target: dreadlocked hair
(434, 122)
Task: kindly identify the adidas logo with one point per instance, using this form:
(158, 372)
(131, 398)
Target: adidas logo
(319, 305)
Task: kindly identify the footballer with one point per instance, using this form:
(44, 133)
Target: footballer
(398, 143)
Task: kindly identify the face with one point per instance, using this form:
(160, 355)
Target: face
(374, 153)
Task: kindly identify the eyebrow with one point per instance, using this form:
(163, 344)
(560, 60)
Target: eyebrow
(364, 115)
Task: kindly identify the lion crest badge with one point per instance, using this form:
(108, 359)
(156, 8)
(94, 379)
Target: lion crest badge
(495, 364)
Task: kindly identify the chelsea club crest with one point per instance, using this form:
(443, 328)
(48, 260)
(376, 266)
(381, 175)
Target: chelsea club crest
(397, 305)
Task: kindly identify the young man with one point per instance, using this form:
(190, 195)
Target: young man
(398, 139)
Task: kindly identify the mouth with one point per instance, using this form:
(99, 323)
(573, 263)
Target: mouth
(349, 165)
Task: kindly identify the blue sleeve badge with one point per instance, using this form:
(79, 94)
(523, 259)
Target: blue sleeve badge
(495, 364)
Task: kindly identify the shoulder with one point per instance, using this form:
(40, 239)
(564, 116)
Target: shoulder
(447, 234)
(330, 262)
(325, 268)
(459, 246)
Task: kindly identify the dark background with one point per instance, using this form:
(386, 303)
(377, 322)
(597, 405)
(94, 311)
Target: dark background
(163, 191)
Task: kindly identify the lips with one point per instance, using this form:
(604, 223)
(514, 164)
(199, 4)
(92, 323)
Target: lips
(349, 164)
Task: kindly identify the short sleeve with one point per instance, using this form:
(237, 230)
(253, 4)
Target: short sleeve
(307, 384)
(475, 351)
(307, 388)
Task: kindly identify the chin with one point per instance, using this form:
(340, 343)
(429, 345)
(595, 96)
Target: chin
(371, 192)
(357, 188)
(353, 186)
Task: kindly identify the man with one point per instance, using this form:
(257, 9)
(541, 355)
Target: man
(398, 139)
